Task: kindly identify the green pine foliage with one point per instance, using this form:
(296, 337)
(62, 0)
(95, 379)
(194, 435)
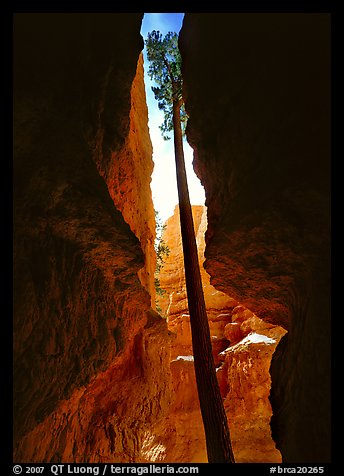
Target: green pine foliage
(162, 251)
(165, 69)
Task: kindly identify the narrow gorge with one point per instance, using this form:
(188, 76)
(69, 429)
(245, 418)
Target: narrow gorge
(242, 344)
(98, 374)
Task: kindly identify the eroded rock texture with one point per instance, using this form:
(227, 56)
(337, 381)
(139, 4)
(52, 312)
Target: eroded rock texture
(257, 91)
(84, 332)
(243, 345)
(128, 171)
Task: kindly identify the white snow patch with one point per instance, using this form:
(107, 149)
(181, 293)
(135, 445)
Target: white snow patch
(251, 338)
(190, 358)
(255, 338)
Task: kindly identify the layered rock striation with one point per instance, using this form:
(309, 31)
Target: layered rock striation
(85, 337)
(257, 91)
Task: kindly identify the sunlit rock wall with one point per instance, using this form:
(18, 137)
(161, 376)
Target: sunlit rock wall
(127, 171)
(243, 345)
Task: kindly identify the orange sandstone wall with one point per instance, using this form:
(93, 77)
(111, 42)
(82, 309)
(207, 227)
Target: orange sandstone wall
(128, 174)
(243, 345)
(94, 379)
(91, 364)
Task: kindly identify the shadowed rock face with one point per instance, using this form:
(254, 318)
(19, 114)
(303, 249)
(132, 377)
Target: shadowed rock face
(84, 333)
(257, 92)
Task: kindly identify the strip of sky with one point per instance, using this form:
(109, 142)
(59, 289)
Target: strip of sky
(163, 185)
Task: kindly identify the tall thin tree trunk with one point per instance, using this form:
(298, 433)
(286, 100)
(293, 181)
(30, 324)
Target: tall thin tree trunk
(213, 413)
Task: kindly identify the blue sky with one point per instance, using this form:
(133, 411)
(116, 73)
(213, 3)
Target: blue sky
(163, 185)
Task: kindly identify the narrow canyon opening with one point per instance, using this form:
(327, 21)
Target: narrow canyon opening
(164, 185)
(99, 374)
(242, 343)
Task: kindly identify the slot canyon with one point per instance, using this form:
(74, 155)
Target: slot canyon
(98, 374)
